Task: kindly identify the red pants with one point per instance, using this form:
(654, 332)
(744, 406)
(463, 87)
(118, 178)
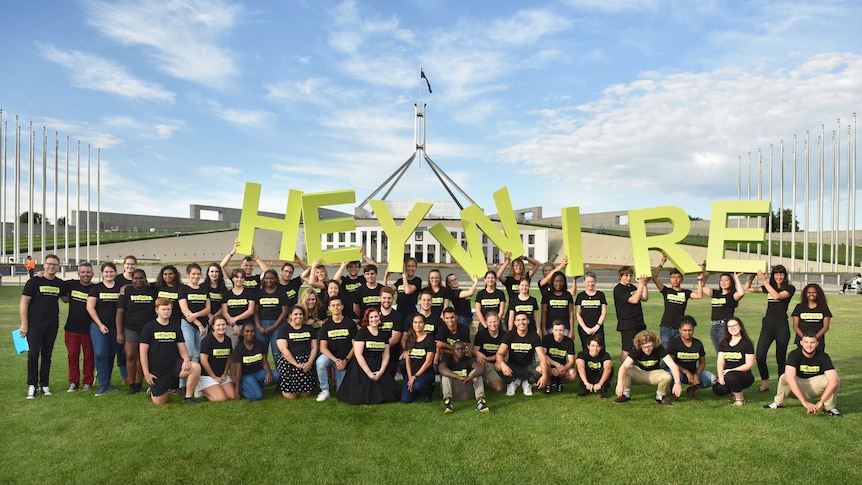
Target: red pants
(75, 343)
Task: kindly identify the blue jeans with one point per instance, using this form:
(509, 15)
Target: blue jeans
(465, 322)
(716, 333)
(667, 334)
(105, 349)
(706, 378)
(192, 336)
(252, 384)
(271, 338)
(424, 385)
(322, 363)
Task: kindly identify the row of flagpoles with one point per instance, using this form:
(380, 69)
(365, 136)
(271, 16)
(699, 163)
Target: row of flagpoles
(843, 169)
(31, 143)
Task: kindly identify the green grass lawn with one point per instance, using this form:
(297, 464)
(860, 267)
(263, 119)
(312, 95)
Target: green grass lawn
(116, 438)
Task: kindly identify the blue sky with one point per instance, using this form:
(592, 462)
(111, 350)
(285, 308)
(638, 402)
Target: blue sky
(603, 104)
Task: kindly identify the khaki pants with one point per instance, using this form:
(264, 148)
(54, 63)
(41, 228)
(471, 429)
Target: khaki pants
(811, 388)
(456, 390)
(658, 378)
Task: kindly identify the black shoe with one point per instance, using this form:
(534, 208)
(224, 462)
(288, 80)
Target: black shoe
(429, 398)
(191, 400)
(448, 407)
(583, 392)
(622, 399)
(663, 401)
(604, 394)
(547, 389)
(559, 386)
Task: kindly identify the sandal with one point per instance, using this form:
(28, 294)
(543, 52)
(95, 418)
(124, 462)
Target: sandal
(738, 402)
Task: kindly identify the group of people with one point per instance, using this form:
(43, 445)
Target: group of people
(203, 338)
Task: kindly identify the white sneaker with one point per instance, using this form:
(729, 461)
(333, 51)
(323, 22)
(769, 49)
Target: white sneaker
(323, 396)
(31, 392)
(46, 391)
(511, 388)
(398, 376)
(528, 389)
(72, 387)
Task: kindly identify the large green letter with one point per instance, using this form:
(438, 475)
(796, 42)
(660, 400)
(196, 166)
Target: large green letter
(251, 220)
(572, 245)
(669, 243)
(720, 234)
(398, 236)
(315, 228)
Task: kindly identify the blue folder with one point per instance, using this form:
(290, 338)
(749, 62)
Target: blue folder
(20, 342)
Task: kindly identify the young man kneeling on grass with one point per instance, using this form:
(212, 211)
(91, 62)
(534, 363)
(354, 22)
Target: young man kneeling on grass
(522, 346)
(164, 356)
(561, 357)
(809, 375)
(457, 372)
(643, 366)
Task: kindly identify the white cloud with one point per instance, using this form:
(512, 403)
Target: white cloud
(679, 134)
(527, 26)
(182, 36)
(614, 5)
(92, 72)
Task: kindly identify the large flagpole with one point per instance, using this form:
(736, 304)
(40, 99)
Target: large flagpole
(4, 132)
(781, 206)
(56, 189)
(98, 200)
(66, 225)
(769, 236)
(16, 222)
(78, 212)
(32, 186)
(793, 212)
(88, 202)
(806, 190)
(821, 152)
(44, 184)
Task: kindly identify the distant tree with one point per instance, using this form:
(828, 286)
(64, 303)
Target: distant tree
(790, 224)
(694, 218)
(61, 221)
(37, 217)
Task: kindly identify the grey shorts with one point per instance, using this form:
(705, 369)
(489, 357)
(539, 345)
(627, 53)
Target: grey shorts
(130, 335)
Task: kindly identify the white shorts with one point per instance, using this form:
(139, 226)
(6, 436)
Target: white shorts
(207, 381)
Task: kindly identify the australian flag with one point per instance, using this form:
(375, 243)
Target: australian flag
(422, 75)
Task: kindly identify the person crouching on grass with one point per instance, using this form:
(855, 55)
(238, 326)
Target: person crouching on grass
(522, 346)
(457, 372)
(643, 366)
(164, 356)
(561, 356)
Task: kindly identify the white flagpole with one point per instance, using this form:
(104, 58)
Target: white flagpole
(44, 185)
(793, 212)
(98, 200)
(781, 207)
(78, 212)
(748, 219)
(848, 263)
(56, 189)
(32, 187)
(88, 202)
(769, 236)
(66, 225)
(759, 193)
(807, 189)
(4, 207)
(738, 197)
(821, 141)
(853, 194)
(836, 155)
(17, 202)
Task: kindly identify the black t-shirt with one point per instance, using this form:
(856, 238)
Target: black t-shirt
(527, 307)
(437, 299)
(490, 302)
(374, 346)
(591, 306)
(407, 303)
(521, 349)
(252, 282)
(139, 307)
(723, 306)
(776, 310)
(269, 305)
(811, 319)
(217, 353)
(558, 351)
(238, 304)
(298, 339)
(196, 298)
(419, 352)
(251, 359)
(338, 336)
(648, 362)
(808, 367)
(594, 367)
(106, 302)
(675, 303)
(461, 334)
(291, 291)
(216, 299)
(172, 294)
(630, 316)
(367, 297)
(349, 287)
(461, 305)
(686, 357)
(78, 320)
(511, 286)
(432, 323)
(162, 339)
(487, 344)
(558, 308)
(460, 368)
(44, 308)
(734, 355)
(394, 322)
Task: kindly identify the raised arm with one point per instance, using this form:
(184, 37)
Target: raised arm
(224, 262)
(547, 279)
(657, 270)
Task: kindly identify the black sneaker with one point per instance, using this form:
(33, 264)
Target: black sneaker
(481, 406)
(772, 405)
(604, 394)
(559, 386)
(663, 401)
(583, 392)
(191, 400)
(622, 399)
(448, 408)
(833, 412)
(547, 389)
